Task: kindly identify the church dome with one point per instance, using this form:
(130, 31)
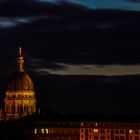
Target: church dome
(20, 81)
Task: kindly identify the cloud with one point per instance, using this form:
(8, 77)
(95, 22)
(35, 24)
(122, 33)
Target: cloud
(85, 69)
(9, 22)
(12, 22)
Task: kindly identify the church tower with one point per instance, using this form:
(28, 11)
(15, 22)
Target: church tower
(19, 97)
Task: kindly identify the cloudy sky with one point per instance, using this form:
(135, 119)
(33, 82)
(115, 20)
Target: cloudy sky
(74, 48)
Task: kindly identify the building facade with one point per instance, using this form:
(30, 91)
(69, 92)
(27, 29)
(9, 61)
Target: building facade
(87, 130)
(62, 129)
(19, 99)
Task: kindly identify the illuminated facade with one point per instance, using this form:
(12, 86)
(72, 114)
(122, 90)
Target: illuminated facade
(19, 97)
(88, 131)
(63, 129)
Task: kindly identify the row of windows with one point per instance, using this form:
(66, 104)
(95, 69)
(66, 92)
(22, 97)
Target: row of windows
(12, 109)
(116, 131)
(51, 131)
(119, 137)
(134, 131)
(20, 96)
(135, 138)
(96, 137)
(92, 124)
(108, 137)
(43, 131)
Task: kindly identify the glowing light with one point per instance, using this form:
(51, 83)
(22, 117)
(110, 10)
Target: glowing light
(130, 131)
(47, 131)
(95, 130)
(35, 131)
(42, 131)
(82, 123)
(96, 124)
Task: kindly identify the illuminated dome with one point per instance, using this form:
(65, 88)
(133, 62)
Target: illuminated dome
(20, 81)
(19, 99)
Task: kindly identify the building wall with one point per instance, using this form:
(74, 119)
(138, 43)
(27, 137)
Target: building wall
(86, 131)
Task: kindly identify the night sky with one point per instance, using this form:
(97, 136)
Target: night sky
(83, 55)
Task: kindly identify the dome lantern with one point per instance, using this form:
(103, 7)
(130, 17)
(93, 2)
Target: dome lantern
(20, 60)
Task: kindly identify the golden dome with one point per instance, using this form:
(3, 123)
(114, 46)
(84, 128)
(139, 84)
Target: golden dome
(20, 81)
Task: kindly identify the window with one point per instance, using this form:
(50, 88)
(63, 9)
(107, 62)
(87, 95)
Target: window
(95, 137)
(136, 131)
(116, 131)
(121, 131)
(82, 123)
(7, 108)
(82, 136)
(18, 109)
(108, 130)
(102, 131)
(136, 138)
(46, 130)
(116, 137)
(96, 124)
(130, 131)
(42, 131)
(102, 137)
(121, 137)
(90, 136)
(35, 131)
(89, 130)
(95, 130)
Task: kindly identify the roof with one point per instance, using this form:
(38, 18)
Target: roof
(20, 80)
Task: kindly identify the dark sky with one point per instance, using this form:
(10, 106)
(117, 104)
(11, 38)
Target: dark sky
(83, 56)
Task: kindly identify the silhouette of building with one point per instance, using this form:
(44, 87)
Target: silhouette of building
(19, 99)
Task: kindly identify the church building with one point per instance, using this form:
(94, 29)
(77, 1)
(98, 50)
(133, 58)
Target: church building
(19, 98)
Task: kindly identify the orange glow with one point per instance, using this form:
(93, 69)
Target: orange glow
(130, 131)
(95, 130)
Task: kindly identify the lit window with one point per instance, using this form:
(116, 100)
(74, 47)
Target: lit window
(95, 130)
(130, 131)
(82, 123)
(35, 131)
(96, 124)
(42, 131)
(46, 131)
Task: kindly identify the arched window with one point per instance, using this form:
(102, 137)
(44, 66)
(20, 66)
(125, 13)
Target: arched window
(21, 109)
(18, 108)
(7, 109)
